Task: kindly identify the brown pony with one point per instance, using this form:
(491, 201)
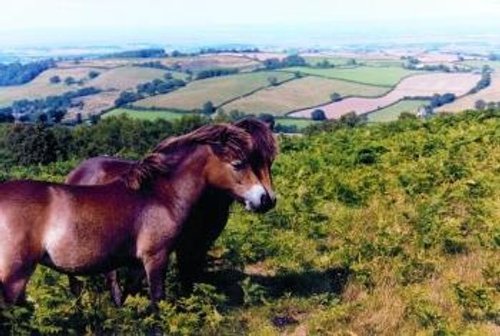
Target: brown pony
(135, 219)
(207, 218)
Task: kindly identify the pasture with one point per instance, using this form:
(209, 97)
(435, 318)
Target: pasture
(392, 112)
(146, 115)
(300, 93)
(299, 123)
(314, 60)
(40, 87)
(379, 76)
(424, 85)
(217, 90)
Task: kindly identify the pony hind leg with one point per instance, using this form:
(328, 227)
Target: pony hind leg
(156, 267)
(14, 290)
(114, 287)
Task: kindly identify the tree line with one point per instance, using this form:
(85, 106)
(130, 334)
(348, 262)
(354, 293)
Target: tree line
(155, 87)
(17, 73)
(50, 109)
(40, 143)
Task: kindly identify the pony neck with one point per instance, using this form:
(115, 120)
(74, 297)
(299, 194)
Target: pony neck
(182, 189)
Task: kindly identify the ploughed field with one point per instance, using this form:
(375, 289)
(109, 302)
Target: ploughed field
(488, 95)
(415, 86)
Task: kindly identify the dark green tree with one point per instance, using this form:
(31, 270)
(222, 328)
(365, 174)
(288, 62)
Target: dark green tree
(55, 80)
(208, 108)
(318, 115)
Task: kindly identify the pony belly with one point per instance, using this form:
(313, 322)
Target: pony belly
(96, 266)
(66, 252)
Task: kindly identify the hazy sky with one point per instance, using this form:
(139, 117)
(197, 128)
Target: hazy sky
(23, 14)
(132, 16)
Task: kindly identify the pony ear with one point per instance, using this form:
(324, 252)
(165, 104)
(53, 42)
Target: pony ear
(269, 124)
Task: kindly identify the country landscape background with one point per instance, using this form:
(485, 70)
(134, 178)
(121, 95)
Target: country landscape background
(388, 177)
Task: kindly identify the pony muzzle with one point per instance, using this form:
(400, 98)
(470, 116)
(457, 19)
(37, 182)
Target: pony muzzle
(258, 199)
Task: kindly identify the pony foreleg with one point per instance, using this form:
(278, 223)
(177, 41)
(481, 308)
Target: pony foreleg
(156, 267)
(75, 286)
(133, 282)
(14, 290)
(114, 287)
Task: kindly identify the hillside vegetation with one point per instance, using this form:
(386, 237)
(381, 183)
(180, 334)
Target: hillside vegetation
(389, 229)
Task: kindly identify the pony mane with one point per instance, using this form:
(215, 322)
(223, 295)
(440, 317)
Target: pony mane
(227, 141)
(264, 142)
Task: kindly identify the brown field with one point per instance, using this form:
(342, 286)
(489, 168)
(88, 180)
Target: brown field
(437, 58)
(415, 86)
(195, 63)
(127, 77)
(300, 93)
(98, 63)
(40, 87)
(489, 94)
(93, 104)
(210, 61)
(259, 56)
(217, 90)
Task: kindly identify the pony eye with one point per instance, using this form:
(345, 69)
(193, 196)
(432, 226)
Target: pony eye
(238, 164)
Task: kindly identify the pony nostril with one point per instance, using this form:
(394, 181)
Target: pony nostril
(267, 202)
(264, 200)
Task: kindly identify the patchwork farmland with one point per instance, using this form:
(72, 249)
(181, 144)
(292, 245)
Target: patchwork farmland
(489, 94)
(217, 90)
(368, 82)
(41, 87)
(301, 93)
(380, 76)
(392, 112)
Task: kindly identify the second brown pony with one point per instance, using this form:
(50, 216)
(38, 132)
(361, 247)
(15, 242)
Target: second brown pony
(135, 219)
(208, 217)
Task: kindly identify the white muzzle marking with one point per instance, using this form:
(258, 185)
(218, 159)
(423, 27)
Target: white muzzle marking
(253, 196)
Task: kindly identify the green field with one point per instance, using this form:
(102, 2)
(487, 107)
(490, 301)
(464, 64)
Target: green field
(300, 123)
(217, 90)
(343, 61)
(380, 76)
(147, 115)
(479, 64)
(299, 94)
(315, 60)
(392, 112)
(381, 62)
